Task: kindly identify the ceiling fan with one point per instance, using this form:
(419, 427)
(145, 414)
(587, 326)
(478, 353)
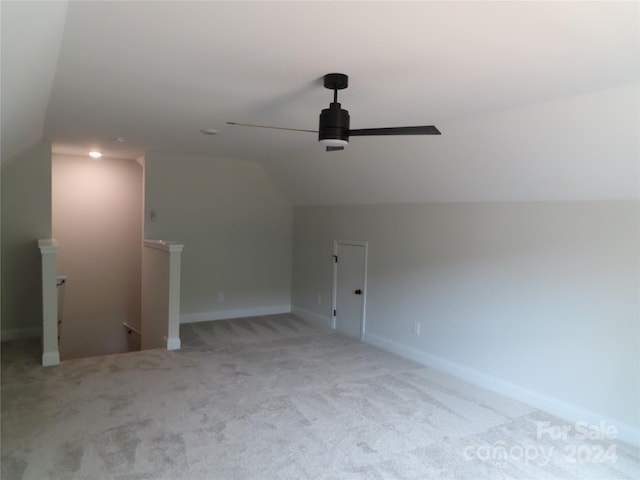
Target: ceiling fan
(334, 131)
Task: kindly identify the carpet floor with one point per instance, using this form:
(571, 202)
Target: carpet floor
(275, 398)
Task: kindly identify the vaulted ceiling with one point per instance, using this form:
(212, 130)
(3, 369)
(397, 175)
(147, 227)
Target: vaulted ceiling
(535, 100)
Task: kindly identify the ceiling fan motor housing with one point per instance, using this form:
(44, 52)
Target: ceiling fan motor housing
(334, 123)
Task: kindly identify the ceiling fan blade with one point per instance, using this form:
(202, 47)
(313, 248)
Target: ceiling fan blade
(334, 149)
(273, 128)
(422, 130)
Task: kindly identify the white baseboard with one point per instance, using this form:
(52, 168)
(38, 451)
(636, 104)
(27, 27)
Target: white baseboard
(237, 313)
(554, 406)
(313, 317)
(18, 333)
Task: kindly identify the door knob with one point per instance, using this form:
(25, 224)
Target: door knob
(358, 292)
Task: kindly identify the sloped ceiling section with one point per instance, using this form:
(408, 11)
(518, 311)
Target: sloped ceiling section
(31, 39)
(536, 100)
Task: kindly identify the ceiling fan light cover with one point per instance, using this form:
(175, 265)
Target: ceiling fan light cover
(333, 142)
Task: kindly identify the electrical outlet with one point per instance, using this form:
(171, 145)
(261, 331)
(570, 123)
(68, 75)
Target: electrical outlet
(416, 328)
(221, 296)
(319, 299)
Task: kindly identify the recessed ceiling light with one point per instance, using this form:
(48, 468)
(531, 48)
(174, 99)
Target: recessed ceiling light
(95, 154)
(209, 131)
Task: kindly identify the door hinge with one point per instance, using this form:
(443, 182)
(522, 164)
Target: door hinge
(335, 258)
(334, 313)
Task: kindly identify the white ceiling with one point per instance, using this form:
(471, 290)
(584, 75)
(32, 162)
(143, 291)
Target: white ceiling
(535, 100)
(31, 37)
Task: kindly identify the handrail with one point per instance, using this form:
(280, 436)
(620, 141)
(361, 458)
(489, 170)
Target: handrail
(132, 329)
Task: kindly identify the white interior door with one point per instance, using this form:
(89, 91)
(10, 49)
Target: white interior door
(349, 287)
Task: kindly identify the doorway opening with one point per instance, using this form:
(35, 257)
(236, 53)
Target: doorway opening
(97, 213)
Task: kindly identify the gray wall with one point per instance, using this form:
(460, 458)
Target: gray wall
(26, 216)
(97, 221)
(236, 228)
(538, 297)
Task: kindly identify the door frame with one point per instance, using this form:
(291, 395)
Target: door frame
(334, 300)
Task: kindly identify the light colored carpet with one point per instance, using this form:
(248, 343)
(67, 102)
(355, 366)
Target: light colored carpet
(273, 398)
